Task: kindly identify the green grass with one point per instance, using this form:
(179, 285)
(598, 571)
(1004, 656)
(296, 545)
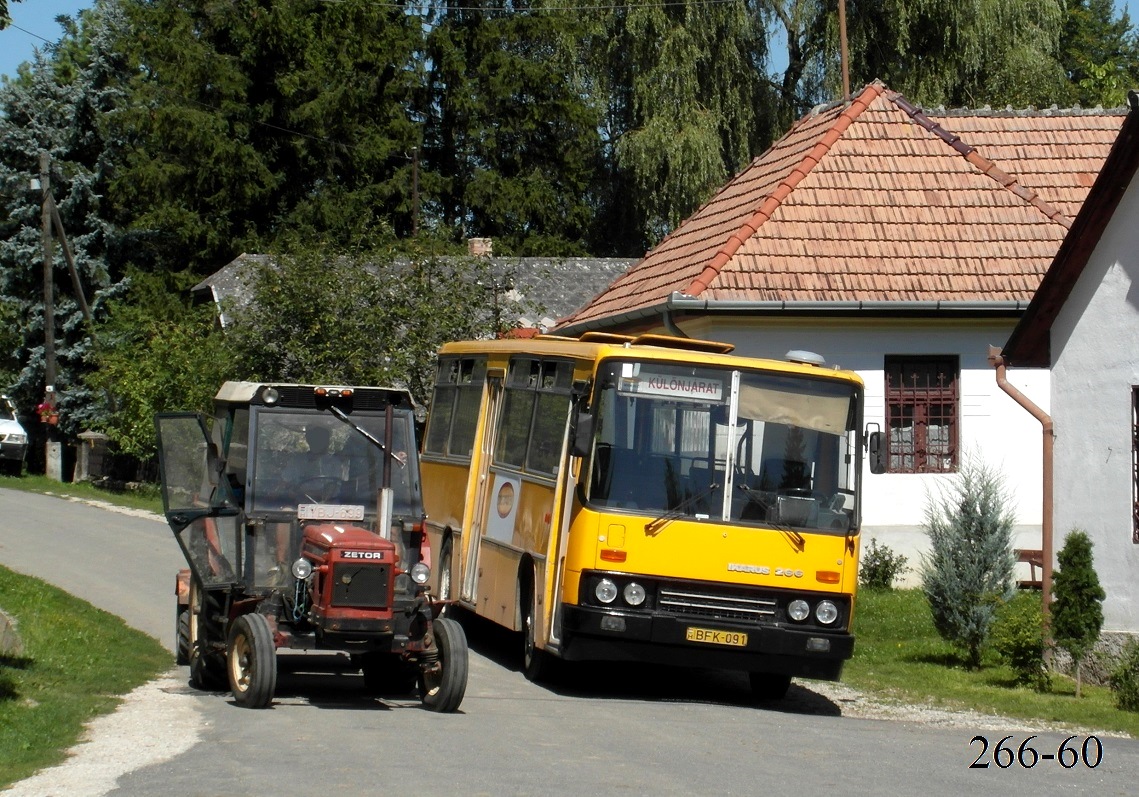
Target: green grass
(77, 660)
(899, 655)
(146, 497)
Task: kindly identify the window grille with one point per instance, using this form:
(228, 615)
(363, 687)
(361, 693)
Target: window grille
(922, 408)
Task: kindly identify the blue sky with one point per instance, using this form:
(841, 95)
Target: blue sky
(34, 20)
(37, 17)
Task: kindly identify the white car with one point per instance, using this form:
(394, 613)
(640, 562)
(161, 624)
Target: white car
(13, 438)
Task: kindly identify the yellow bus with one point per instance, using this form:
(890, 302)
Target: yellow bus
(650, 499)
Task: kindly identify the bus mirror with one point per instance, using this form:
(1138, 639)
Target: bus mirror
(876, 453)
(582, 434)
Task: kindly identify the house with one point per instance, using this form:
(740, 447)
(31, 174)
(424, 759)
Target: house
(547, 288)
(1083, 324)
(898, 243)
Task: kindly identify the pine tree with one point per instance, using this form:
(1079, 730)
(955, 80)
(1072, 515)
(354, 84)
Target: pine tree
(57, 106)
(969, 569)
(1077, 613)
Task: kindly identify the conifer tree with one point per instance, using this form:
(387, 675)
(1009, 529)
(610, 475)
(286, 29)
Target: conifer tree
(969, 570)
(1077, 611)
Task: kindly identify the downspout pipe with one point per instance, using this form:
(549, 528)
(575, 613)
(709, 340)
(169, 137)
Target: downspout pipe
(998, 362)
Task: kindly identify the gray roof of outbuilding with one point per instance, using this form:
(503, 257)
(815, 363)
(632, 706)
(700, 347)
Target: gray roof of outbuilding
(553, 286)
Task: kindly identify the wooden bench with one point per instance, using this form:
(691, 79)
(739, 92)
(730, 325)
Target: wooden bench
(1034, 558)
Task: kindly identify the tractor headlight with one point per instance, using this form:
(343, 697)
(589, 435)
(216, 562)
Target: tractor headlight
(798, 610)
(302, 569)
(826, 612)
(606, 591)
(420, 573)
(634, 594)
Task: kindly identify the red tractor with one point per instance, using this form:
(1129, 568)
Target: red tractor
(300, 516)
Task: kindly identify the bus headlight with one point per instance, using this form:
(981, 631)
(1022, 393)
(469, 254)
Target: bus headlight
(634, 594)
(826, 612)
(798, 610)
(302, 569)
(605, 591)
(420, 573)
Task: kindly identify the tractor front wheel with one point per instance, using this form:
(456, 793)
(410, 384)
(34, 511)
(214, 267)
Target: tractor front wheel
(443, 689)
(252, 661)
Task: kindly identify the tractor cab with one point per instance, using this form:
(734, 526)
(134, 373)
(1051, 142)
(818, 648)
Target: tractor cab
(299, 512)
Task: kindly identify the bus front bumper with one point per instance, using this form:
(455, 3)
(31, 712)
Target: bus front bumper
(597, 635)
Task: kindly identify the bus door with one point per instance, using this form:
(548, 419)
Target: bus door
(483, 488)
(563, 494)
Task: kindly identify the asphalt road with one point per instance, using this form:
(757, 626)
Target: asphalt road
(599, 731)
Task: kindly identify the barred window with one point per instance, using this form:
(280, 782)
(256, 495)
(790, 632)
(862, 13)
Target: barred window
(922, 407)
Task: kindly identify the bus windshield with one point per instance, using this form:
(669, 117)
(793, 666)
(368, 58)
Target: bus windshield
(749, 447)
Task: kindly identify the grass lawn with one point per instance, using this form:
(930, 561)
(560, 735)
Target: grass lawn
(146, 497)
(899, 655)
(77, 661)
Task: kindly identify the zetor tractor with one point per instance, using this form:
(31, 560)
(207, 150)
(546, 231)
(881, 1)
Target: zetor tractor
(300, 515)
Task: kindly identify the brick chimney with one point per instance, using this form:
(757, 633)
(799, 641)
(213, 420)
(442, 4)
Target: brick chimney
(480, 247)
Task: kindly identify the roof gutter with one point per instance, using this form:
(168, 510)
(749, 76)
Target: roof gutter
(996, 359)
(683, 303)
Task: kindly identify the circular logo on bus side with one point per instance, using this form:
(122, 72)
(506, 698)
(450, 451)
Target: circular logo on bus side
(505, 499)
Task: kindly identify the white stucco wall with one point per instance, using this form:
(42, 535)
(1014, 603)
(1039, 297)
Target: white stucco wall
(992, 425)
(1095, 356)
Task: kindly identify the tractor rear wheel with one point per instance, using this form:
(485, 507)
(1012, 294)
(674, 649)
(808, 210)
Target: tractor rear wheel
(182, 640)
(443, 691)
(252, 661)
(207, 667)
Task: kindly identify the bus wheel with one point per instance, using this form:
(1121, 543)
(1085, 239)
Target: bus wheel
(535, 662)
(445, 592)
(768, 686)
(443, 691)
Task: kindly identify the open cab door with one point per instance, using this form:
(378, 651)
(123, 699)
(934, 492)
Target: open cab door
(199, 505)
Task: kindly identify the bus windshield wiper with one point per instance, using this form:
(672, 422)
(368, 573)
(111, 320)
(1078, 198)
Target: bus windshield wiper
(653, 527)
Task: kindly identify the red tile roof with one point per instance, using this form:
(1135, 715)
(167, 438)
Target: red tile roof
(1030, 342)
(878, 201)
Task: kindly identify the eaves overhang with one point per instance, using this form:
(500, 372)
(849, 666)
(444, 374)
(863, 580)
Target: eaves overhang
(683, 304)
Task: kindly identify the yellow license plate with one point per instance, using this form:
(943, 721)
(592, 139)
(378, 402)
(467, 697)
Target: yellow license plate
(713, 636)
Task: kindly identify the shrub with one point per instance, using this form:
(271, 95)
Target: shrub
(969, 570)
(1077, 611)
(1124, 681)
(880, 566)
(1018, 636)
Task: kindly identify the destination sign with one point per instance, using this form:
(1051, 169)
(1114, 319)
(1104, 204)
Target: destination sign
(691, 388)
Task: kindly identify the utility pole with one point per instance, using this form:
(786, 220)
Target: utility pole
(53, 450)
(414, 192)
